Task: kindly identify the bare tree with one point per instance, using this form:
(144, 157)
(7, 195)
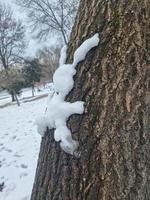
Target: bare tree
(48, 16)
(32, 72)
(12, 41)
(49, 58)
(14, 82)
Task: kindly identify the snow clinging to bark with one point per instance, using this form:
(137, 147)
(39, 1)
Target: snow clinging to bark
(63, 56)
(58, 110)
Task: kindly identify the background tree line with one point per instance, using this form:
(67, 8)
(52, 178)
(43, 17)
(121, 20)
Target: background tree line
(46, 18)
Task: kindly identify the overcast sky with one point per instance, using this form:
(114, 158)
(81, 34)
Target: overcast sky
(33, 45)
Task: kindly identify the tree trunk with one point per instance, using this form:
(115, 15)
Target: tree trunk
(33, 90)
(17, 100)
(114, 131)
(12, 96)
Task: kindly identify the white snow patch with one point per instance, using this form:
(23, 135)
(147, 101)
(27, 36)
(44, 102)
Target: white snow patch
(58, 110)
(19, 149)
(63, 79)
(63, 56)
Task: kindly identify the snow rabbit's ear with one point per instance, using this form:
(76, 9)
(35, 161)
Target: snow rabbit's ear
(85, 47)
(63, 56)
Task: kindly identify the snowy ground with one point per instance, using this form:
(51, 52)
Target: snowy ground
(19, 148)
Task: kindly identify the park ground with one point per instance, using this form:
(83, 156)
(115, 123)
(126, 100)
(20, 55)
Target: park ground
(19, 143)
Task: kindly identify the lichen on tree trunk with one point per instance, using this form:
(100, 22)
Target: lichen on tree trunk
(114, 132)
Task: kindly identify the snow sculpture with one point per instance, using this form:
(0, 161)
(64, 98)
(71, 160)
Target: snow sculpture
(58, 110)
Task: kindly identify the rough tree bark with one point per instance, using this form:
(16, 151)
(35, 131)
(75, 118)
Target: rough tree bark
(114, 132)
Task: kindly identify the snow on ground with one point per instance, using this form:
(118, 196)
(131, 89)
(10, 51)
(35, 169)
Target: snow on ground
(19, 148)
